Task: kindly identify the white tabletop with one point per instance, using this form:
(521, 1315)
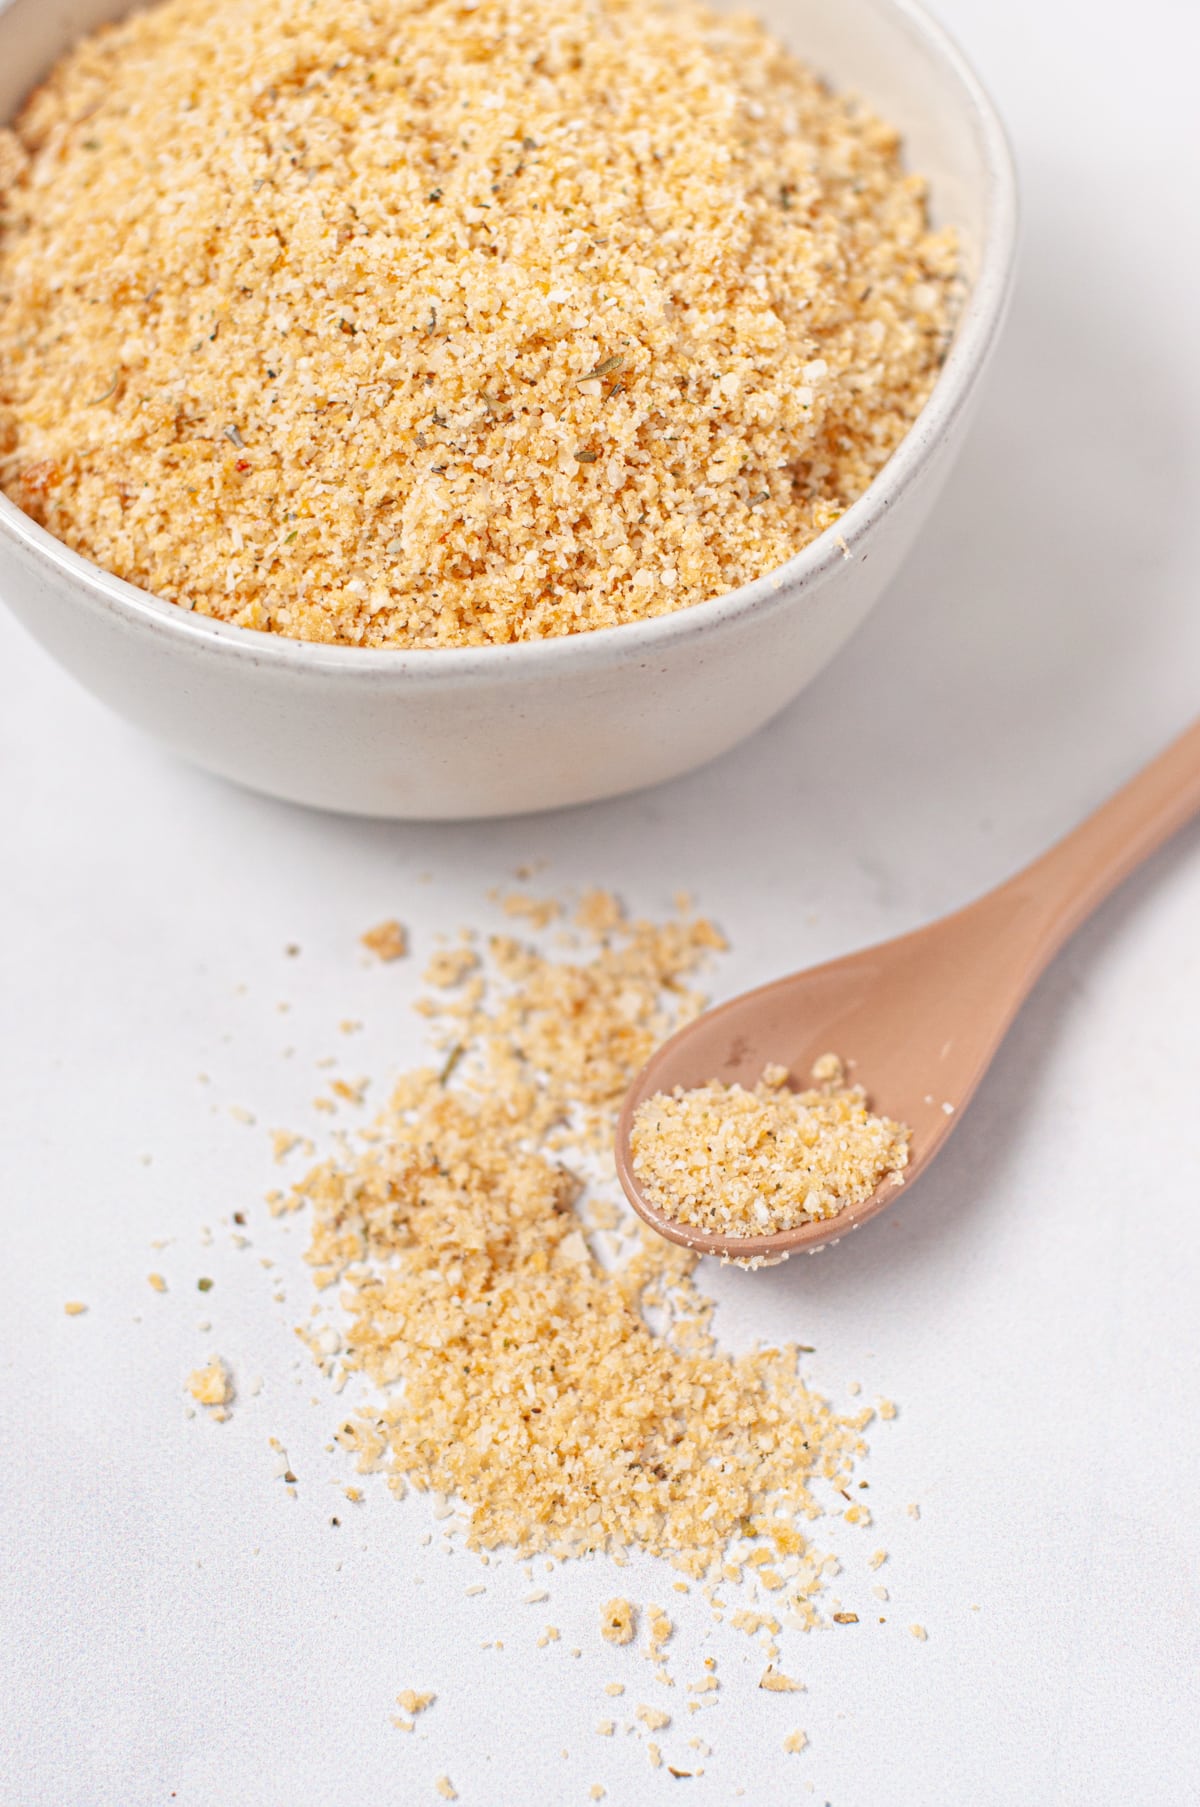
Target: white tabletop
(178, 1628)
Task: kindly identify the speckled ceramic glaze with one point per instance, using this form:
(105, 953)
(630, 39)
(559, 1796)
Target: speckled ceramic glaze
(500, 730)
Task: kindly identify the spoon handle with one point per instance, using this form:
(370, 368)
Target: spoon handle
(1078, 873)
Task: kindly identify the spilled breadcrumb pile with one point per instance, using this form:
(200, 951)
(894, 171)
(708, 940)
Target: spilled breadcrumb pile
(427, 324)
(529, 1349)
(748, 1163)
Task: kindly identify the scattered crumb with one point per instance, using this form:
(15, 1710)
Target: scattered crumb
(751, 1622)
(157, 1282)
(542, 1399)
(539, 912)
(74, 1308)
(845, 1618)
(450, 966)
(919, 1632)
(617, 1622)
(795, 1742)
(653, 1718)
(614, 1688)
(596, 1791)
(876, 1559)
(606, 1728)
(387, 940)
(446, 1789)
(211, 1385)
(775, 1682)
(414, 1702)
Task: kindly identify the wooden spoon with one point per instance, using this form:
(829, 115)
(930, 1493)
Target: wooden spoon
(917, 1019)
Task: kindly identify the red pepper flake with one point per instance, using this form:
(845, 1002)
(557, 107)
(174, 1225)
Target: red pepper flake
(243, 464)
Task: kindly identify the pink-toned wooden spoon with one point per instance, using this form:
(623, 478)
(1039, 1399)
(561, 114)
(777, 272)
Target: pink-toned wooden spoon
(921, 1017)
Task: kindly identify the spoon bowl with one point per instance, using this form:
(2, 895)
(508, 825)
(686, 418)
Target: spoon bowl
(917, 1020)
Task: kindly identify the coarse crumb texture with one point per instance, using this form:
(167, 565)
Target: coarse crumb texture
(617, 1622)
(420, 324)
(211, 1385)
(568, 1403)
(747, 1163)
(414, 1701)
(387, 940)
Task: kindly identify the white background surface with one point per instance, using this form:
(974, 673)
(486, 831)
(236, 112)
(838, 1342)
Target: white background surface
(174, 1626)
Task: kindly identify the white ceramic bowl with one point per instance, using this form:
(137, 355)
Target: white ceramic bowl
(499, 730)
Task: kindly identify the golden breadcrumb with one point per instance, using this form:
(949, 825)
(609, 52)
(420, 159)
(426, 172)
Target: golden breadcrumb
(747, 1163)
(414, 1702)
(567, 1402)
(419, 324)
(450, 966)
(387, 940)
(617, 1622)
(775, 1682)
(211, 1385)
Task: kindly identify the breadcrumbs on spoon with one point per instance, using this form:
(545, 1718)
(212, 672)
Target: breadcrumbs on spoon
(428, 325)
(750, 1162)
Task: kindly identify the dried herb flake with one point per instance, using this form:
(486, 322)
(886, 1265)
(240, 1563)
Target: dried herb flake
(609, 367)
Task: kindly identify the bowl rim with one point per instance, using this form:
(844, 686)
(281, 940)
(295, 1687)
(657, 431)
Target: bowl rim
(975, 333)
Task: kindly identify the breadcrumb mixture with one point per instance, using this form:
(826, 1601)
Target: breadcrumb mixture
(568, 1403)
(423, 324)
(747, 1163)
